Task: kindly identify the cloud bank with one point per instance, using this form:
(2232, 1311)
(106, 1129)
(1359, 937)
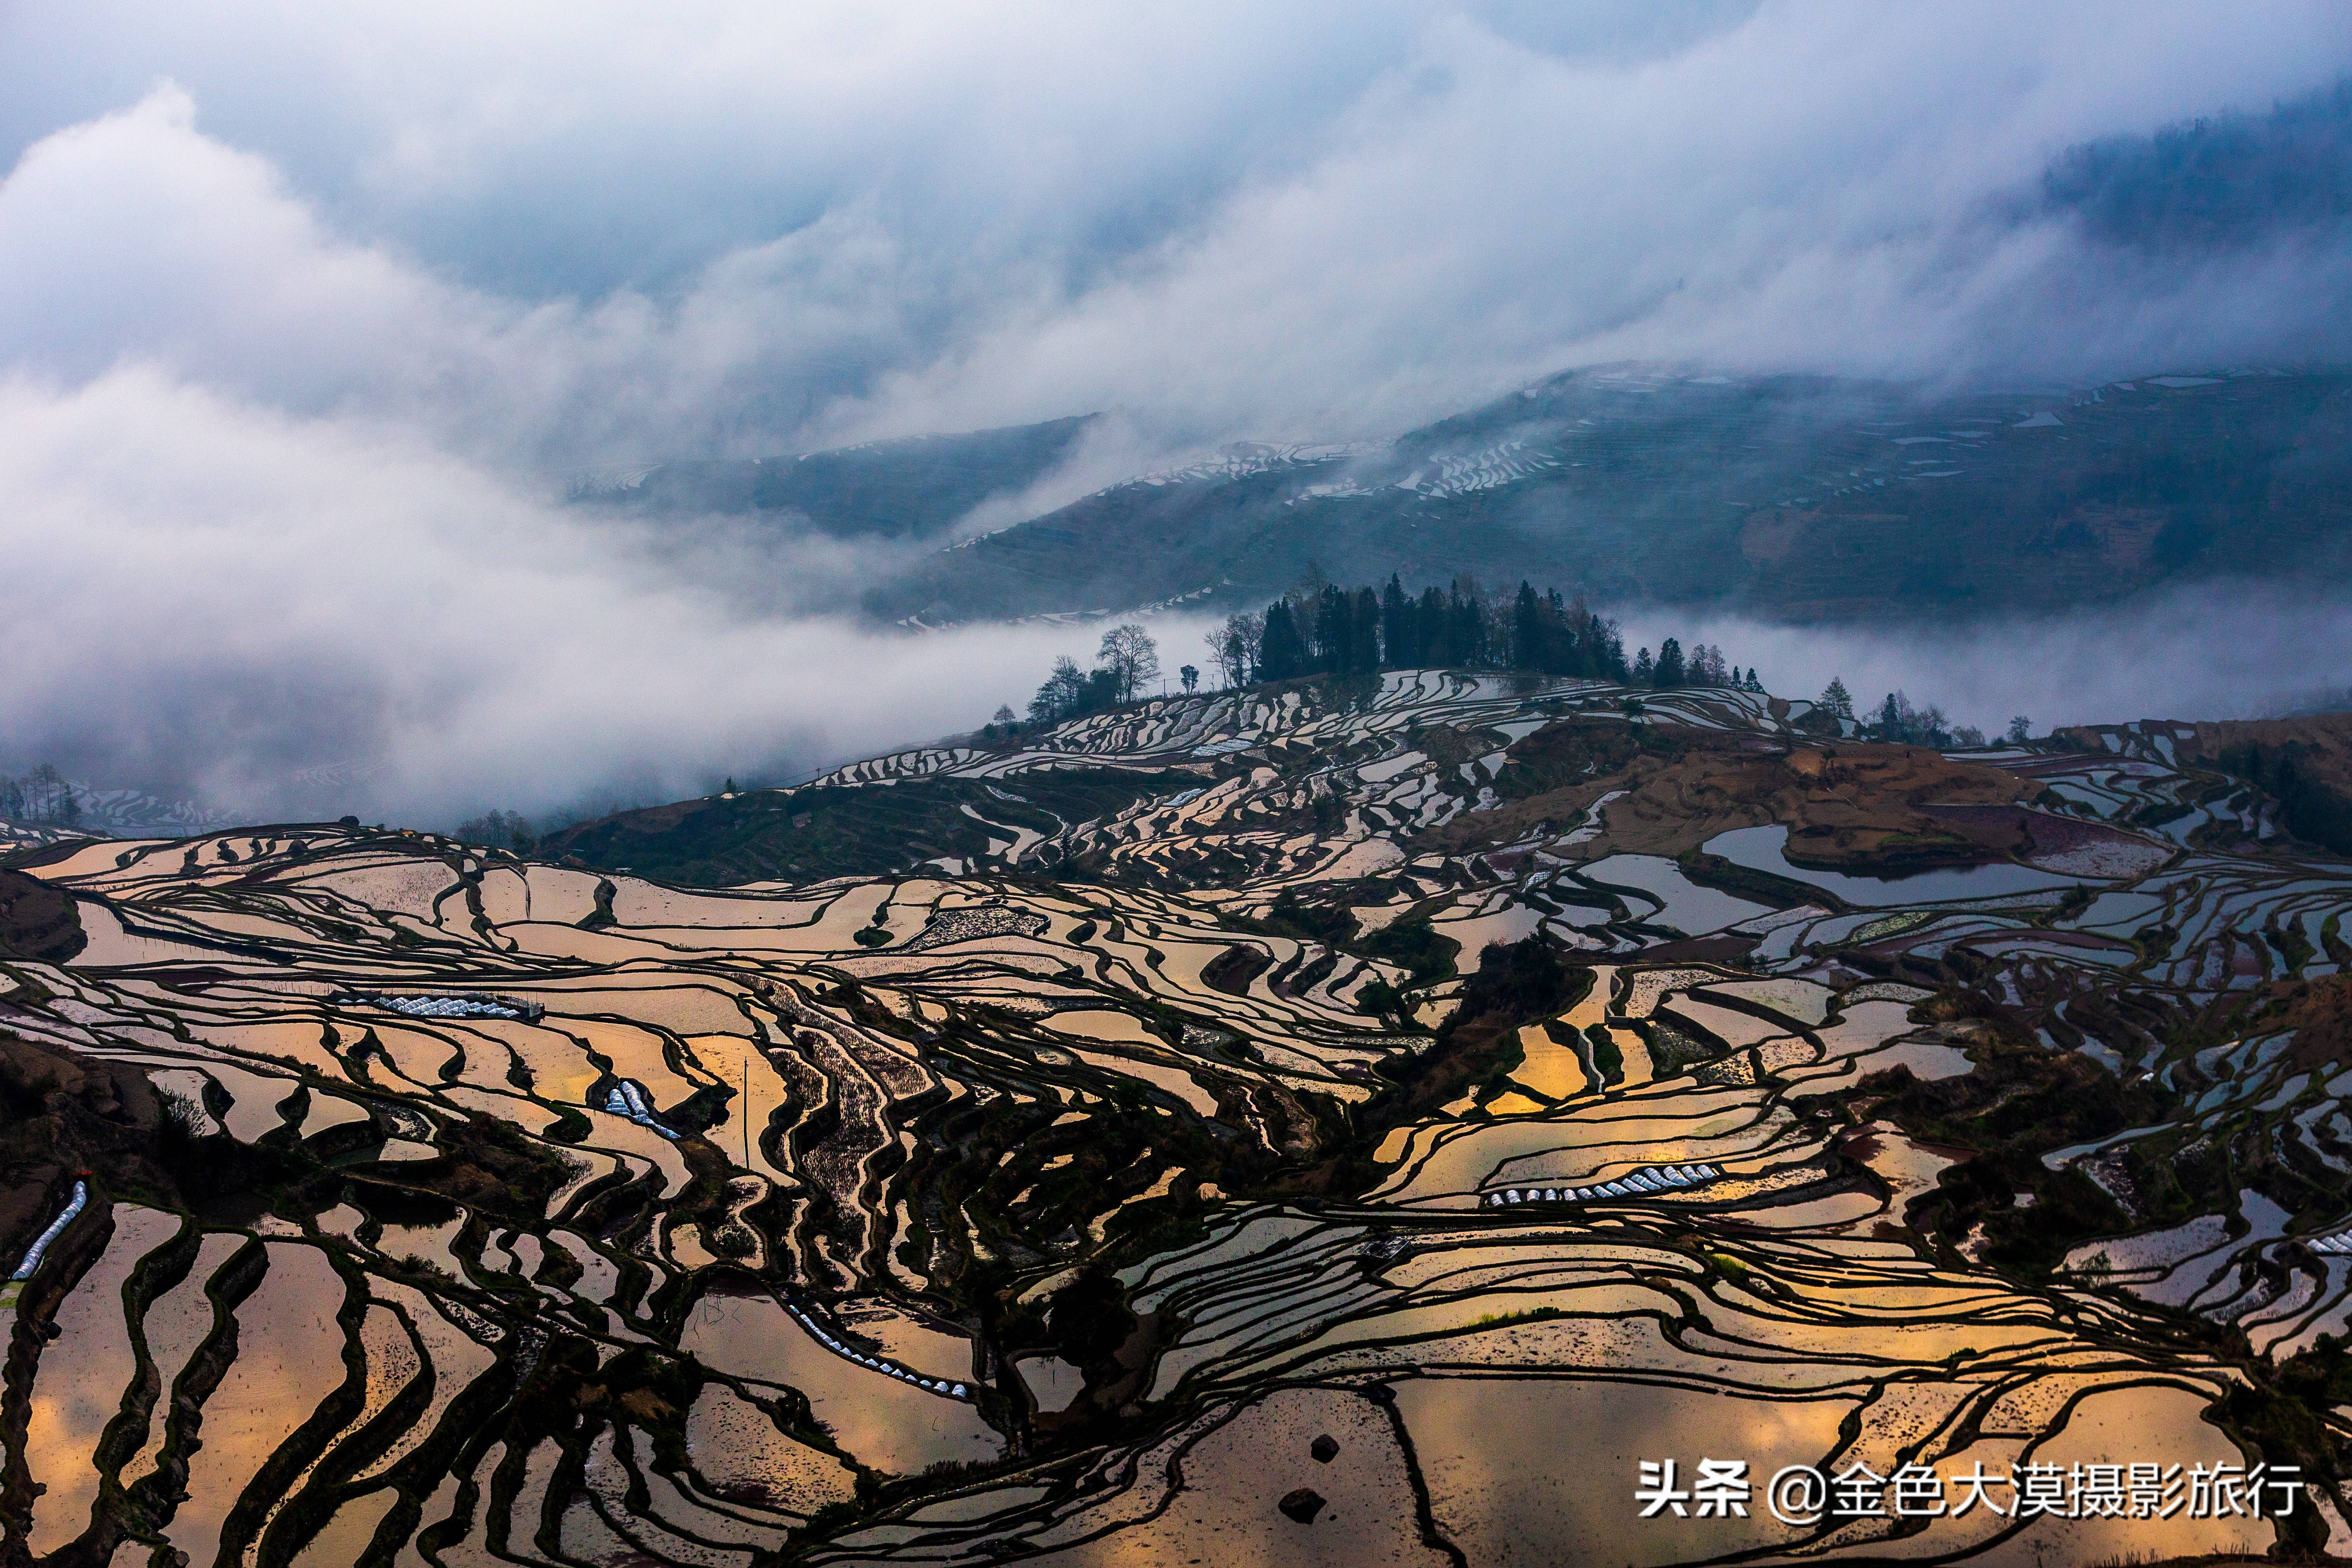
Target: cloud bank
(302, 313)
(2228, 651)
(297, 618)
(592, 234)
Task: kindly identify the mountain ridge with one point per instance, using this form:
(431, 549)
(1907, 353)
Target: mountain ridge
(1791, 498)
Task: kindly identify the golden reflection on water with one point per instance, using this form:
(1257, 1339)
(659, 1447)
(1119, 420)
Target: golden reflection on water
(1525, 1471)
(82, 1376)
(887, 1423)
(288, 1358)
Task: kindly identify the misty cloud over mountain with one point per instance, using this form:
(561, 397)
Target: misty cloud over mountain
(308, 320)
(2234, 181)
(557, 239)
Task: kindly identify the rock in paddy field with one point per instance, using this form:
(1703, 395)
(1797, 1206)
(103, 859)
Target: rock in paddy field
(1302, 1505)
(1325, 1449)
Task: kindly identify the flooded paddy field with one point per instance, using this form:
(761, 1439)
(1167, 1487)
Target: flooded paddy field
(1381, 1133)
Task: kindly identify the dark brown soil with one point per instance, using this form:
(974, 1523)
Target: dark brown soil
(36, 920)
(1847, 807)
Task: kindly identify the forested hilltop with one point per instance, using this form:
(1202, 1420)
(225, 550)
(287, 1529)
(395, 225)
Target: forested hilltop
(1319, 629)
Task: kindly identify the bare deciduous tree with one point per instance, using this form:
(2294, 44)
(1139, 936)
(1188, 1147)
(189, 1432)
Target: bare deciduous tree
(1233, 647)
(1132, 658)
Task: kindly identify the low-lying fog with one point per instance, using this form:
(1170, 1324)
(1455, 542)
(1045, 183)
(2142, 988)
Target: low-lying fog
(292, 617)
(2225, 651)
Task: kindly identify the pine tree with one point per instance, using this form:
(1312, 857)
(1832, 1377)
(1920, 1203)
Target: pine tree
(1526, 628)
(1644, 670)
(1282, 652)
(1836, 699)
(1671, 670)
(1559, 655)
(1332, 626)
(1399, 639)
(1364, 632)
(1609, 658)
(1435, 624)
(1468, 611)
(1590, 656)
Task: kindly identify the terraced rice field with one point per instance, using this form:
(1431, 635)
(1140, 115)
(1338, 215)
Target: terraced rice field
(1105, 1197)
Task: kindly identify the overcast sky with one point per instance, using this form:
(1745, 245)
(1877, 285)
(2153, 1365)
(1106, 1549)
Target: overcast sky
(301, 306)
